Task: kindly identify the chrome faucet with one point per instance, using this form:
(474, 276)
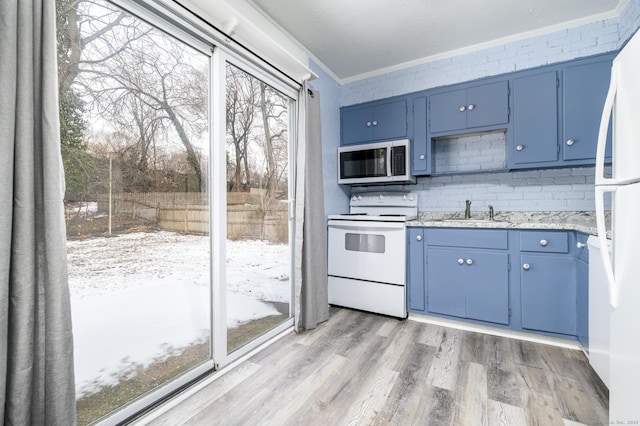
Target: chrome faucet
(467, 210)
(491, 212)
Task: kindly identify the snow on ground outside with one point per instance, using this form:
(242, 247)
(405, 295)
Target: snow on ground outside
(139, 297)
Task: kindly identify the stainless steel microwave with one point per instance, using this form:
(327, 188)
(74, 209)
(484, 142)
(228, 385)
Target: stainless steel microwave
(375, 163)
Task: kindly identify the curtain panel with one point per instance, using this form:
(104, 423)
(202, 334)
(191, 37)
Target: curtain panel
(36, 348)
(311, 289)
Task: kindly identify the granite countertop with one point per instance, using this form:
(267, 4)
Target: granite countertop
(581, 221)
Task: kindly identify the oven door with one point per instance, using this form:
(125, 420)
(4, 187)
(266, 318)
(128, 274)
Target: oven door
(365, 250)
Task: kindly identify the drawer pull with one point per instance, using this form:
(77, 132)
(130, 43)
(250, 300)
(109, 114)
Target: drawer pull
(519, 147)
(422, 156)
(471, 107)
(419, 237)
(460, 261)
(469, 262)
(526, 266)
(543, 243)
(462, 108)
(580, 245)
(375, 123)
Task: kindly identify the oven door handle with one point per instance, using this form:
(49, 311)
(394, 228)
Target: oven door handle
(364, 225)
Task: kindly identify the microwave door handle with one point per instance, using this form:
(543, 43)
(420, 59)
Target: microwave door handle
(389, 161)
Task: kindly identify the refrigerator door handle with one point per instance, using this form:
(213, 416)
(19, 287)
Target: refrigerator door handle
(602, 236)
(604, 127)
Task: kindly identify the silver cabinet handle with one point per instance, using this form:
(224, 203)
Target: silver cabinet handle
(460, 261)
(526, 266)
(519, 147)
(368, 124)
(543, 243)
(471, 107)
(462, 108)
(570, 142)
(580, 245)
(422, 156)
(375, 123)
(469, 262)
(419, 237)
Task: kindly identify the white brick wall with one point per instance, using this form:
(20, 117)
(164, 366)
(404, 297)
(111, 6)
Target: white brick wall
(539, 190)
(586, 40)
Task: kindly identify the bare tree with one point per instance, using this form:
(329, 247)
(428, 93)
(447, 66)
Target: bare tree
(155, 89)
(273, 109)
(242, 95)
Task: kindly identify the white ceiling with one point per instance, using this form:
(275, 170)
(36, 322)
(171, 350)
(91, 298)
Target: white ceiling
(355, 38)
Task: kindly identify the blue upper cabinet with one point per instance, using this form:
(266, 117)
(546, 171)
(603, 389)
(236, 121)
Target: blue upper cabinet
(535, 120)
(374, 121)
(421, 160)
(476, 106)
(585, 88)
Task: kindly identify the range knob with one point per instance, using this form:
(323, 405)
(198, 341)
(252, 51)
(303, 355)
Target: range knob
(381, 197)
(411, 197)
(404, 197)
(359, 197)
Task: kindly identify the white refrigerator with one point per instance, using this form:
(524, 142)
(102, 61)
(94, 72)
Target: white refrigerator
(622, 266)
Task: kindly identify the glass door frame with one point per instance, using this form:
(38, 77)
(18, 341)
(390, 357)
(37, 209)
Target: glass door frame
(221, 57)
(185, 29)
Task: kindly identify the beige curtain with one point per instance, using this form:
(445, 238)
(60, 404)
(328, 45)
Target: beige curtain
(36, 349)
(311, 301)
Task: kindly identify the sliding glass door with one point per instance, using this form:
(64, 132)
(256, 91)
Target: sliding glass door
(135, 145)
(258, 261)
(177, 158)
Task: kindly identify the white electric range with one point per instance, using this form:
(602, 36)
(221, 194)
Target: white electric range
(367, 252)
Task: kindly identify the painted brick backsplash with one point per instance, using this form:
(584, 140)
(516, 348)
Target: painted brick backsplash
(530, 190)
(477, 152)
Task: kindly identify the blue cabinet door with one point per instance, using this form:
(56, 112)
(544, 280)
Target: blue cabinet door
(487, 291)
(357, 124)
(582, 277)
(585, 89)
(488, 104)
(415, 270)
(548, 292)
(421, 148)
(446, 285)
(535, 120)
(373, 121)
(447, 111)
(390, 120)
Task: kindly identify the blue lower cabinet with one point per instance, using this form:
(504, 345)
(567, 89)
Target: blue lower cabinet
(582, 276)
(468, 284)
(446, 281)
(548, 292)
(415, 270)
(488, 286)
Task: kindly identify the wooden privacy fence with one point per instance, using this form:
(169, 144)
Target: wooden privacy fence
(247, 215)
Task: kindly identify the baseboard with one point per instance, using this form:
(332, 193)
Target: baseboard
(511, 334)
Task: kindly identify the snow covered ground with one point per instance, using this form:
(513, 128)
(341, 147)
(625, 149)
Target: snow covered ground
(138, 298)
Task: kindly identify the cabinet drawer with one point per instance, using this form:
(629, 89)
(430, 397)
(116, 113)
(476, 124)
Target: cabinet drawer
(469, 238)
(544, 241)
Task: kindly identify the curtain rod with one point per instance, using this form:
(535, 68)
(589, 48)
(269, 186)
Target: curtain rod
(206, 22)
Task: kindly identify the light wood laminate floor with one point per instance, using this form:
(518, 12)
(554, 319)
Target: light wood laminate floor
(364, 369)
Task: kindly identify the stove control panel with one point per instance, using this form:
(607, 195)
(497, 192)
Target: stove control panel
(400, 199)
